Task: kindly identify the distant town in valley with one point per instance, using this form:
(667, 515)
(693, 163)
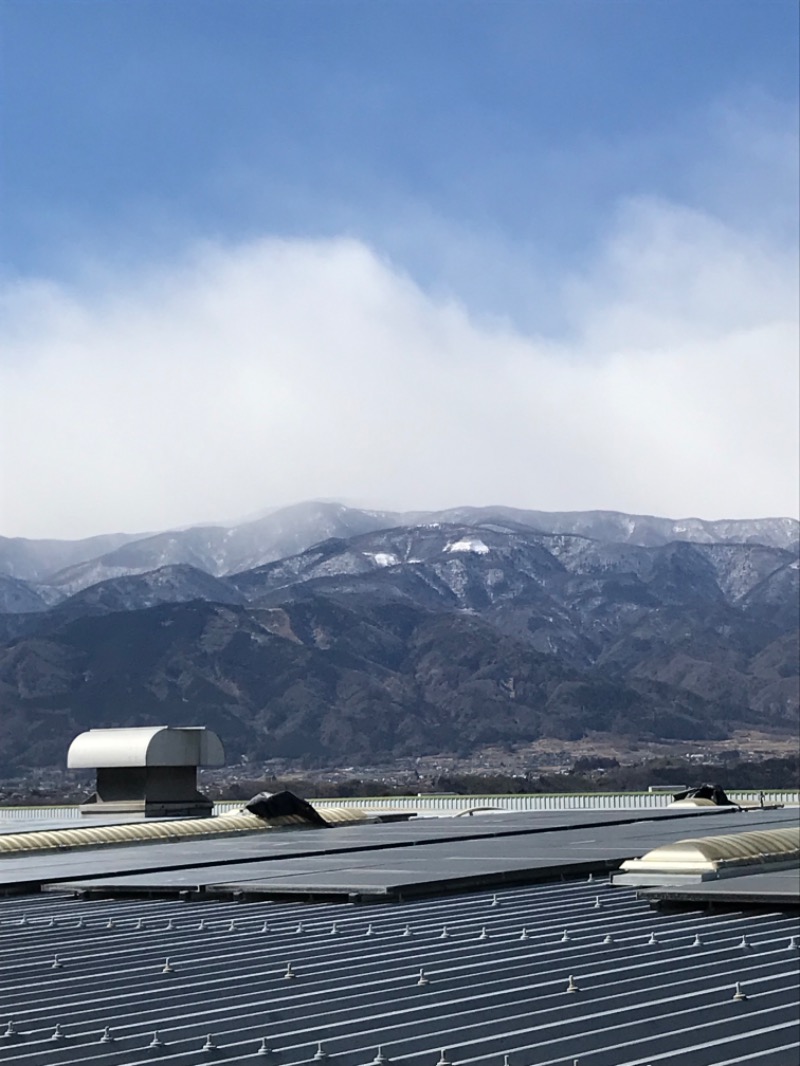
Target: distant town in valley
(762, 762)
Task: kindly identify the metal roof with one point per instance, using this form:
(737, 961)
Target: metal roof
(545, 974)
(396, 860)
(651, 988)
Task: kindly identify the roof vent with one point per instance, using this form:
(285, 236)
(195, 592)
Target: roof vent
(150, 770)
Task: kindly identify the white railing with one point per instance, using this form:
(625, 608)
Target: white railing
(33, 813)
(543, 802)
(432, 802)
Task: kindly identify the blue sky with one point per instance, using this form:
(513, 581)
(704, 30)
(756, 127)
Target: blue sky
(152, 122)
(492, 153)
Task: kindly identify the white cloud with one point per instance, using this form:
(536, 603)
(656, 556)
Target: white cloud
(264, 373)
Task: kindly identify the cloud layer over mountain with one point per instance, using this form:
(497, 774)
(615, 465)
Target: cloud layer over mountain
(280, 369)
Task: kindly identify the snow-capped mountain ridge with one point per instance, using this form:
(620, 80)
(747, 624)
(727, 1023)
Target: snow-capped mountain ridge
(67, 567)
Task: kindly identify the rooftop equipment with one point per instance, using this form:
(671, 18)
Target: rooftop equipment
(96, 836)
(712, 857)
(150, 770)
(702, 796)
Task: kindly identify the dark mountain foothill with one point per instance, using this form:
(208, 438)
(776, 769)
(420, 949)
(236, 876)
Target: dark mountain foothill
(417, 637)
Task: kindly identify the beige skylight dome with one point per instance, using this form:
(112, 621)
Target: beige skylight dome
(712, 854)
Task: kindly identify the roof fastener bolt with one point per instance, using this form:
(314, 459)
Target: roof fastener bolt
(139, 923)
(107, 1037)
(289, 975)
(407, 931)
(370, 931)
(793, 944)
(597, 903)
(56, 964)
(264, 1048)
(744, 943)
(380, 1058)
(652, 939)
(170, 924)
(495, 901)
(156, 1041)
(524, 935)
(565, 937)
(81, 923)
(110, 923)
(300, 928)
(423, 978)
(320, 1054)
(209, 1044)
(232, 926)
(201, 925)
(265, 927)
(697, 942)
(23, 920)
(443, 1059)
(57, 1034)
(590, 878)
(445, 934)
(483, 935)
(571, 986)
(506, 1061)
(167, 967)
(608, 939)
(738, 994)
(11, 1029)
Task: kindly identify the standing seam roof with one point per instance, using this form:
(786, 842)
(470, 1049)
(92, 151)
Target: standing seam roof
(498, 966)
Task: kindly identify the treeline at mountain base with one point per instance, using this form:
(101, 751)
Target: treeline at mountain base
(585, 776)
(588, 774)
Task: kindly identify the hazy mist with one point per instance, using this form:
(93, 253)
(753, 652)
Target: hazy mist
(239, 377)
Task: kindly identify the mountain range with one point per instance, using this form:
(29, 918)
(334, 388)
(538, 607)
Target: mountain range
(323, 632)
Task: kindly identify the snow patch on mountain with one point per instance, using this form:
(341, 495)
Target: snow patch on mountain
(383, 558)
(468, 544)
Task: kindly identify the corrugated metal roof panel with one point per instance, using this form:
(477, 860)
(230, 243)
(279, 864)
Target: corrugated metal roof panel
(660, 990)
